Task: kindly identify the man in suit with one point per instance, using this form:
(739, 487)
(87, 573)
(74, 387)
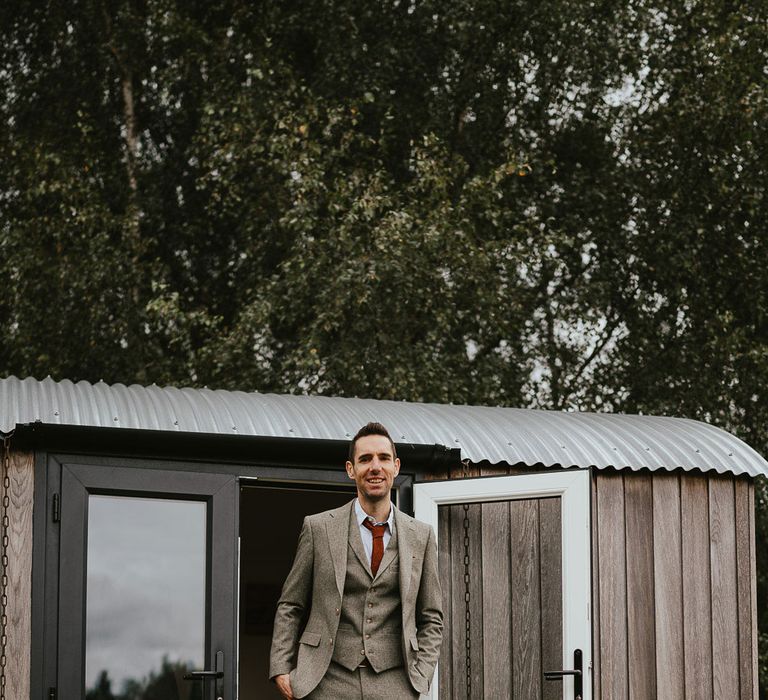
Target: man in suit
(360, 615)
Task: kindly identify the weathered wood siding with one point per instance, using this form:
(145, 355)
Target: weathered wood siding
(515, 597)
(674, 595)
(673, 586)
(17, 526)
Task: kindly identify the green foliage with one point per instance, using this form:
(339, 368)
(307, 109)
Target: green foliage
(165, 683)
(556, 204)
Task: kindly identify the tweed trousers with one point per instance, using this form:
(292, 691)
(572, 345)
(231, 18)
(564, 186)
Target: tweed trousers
(364, 684)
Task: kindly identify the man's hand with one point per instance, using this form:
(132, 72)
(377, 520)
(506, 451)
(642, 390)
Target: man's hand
(283, 682)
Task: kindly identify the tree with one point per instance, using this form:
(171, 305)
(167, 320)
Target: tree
(165, 683)
(555, 204)
(102, 688)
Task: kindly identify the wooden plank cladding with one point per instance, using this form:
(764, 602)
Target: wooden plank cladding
(515, 598)
(19, 592)
(641, 630)
(697, 587)
(725, 604)
(551, 544)
(497, 607)
(743, 553)
(674, 570)
(526, 598)
(613, 589)
(667, 583)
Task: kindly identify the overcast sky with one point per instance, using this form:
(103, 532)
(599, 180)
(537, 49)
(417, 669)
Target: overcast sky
(146, 585)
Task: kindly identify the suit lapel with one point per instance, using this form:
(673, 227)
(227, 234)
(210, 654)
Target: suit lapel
(405, 548)
(337, 530)
(356, 542)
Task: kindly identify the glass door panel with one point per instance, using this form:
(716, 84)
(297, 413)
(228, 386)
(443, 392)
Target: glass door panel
(147, 584)
(145, 596)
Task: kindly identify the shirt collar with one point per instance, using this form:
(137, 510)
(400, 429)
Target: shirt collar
(362, 515)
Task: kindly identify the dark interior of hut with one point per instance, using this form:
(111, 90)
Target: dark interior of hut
(270, 521)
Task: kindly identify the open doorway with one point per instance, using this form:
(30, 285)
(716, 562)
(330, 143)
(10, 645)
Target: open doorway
(271, 515)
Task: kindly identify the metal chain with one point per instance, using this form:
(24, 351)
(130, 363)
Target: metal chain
(467, 610)
(6, 467)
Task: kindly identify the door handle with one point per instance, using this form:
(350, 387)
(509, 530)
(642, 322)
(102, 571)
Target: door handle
(577, 672)
(202, 675)
(216, 675)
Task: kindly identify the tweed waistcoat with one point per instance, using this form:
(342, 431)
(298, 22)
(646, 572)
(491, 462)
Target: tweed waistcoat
(370, 624)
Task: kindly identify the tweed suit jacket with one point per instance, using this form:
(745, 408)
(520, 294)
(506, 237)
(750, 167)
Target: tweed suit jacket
(314, 589)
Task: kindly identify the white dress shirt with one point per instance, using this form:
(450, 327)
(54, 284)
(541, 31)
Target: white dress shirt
(366, 535)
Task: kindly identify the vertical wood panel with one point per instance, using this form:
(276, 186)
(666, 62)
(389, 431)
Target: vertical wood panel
(476, 597)
(613, 587)
(497, 613)
(19, 606)
(458, 603)
(668, 582)
(595, 529)
(753, 574)
(697, 614)
(638, 502)
(744, 587)
(526, 603)
(445, 567)
(551, 577)
(725, 644)
(456, 641)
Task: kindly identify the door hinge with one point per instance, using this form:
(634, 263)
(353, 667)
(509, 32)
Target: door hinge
(56, 514)
(51, 693)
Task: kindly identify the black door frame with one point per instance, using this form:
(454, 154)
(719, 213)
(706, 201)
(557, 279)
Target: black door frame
(64, 667)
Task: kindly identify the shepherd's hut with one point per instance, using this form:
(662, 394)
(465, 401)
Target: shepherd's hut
(147, 532)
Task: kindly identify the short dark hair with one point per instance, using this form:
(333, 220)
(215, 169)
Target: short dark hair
(370, 429)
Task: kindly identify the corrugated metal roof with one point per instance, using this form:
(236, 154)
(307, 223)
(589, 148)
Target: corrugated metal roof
(483, 433)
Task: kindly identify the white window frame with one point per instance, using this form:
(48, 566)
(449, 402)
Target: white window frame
(573, 488)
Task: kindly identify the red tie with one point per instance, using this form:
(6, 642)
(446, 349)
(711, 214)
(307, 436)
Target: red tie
(378, 543)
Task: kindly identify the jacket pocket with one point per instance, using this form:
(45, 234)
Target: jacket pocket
(414, 644)
(310, 638)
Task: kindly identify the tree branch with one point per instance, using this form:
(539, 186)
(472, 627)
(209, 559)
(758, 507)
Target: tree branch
(131, 139)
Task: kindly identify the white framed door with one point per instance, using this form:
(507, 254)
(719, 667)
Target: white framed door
(515, 567)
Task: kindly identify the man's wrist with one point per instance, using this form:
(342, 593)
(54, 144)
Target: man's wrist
(285, 672)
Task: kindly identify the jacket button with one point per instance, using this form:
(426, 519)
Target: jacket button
(368, 620)
(367, 636)
(362, 651)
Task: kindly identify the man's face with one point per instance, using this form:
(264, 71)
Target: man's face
(375, 467)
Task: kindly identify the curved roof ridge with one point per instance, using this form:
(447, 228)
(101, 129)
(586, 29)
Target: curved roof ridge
(484, 433)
